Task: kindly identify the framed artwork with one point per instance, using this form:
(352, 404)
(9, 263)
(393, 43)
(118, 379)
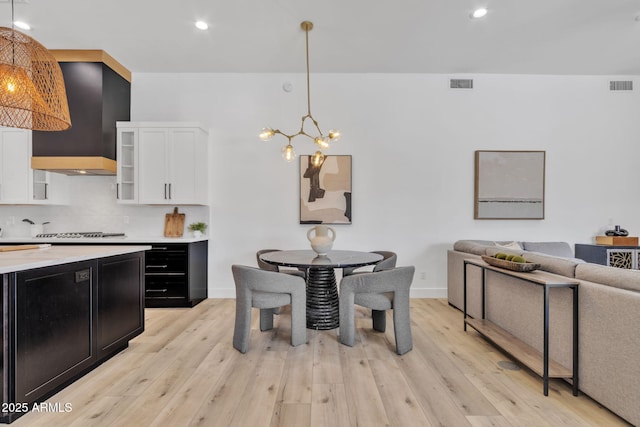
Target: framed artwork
(509, 185)
(325, 191)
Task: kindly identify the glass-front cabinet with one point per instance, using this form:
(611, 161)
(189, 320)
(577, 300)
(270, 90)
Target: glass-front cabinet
(127, 173)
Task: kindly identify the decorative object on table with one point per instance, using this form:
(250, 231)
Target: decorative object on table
(33, 91)
(197, 228)
(509, 184)
(617, 240)
(617, 231)
(320, 139)
(321, 242)
(325, 190)
(35, 229)
(174, 224)
(520, 264)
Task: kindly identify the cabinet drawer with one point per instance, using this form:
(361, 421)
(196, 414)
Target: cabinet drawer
(166, 259)
(165, 288)
(170, 248)
(165, 264)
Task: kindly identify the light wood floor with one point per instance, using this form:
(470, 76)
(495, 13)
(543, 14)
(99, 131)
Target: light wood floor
(184, 371)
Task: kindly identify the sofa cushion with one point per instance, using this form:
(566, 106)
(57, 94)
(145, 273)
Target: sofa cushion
(476, 247)
(553, 264)
(561, 249)
(611, 276)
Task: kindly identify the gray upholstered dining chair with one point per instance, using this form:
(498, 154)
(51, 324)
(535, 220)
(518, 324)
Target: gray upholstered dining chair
(267, 290)
(388, 261)
(270, 267)
(380, 291)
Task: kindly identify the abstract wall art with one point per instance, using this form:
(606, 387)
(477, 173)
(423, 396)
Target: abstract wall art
(509, 185)
(325, 191)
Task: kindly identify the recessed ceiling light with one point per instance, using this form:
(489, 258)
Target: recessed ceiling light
(479, 13)
(22, 25)
(201, 25)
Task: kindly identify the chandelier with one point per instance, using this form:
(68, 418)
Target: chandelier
(32, 92)
(323, 142)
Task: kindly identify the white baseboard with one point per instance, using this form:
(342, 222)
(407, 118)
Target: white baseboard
(415, 293)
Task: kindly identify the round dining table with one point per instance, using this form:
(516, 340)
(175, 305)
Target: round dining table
(322, 290)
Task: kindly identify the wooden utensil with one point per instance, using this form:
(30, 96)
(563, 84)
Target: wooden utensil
(174, 224)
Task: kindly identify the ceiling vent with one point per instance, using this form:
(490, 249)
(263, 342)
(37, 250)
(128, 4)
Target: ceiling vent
(461, 83)
(621, 85)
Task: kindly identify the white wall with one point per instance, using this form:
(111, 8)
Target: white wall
(412, 140)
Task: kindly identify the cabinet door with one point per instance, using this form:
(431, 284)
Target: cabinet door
(48, 188)
(182, 170)
(120, 301)
(55, 320)
(152, 163)
(14, 165)
(127, 169)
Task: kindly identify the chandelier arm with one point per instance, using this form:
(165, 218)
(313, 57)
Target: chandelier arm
(315, 123)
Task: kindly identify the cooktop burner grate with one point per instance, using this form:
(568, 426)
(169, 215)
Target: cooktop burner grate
(80, 234)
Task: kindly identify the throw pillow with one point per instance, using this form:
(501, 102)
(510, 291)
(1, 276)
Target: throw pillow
(514, 246)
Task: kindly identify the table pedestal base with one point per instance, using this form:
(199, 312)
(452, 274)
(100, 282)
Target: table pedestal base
(322, 299)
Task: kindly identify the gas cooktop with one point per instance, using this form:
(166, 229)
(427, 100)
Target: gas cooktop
(80, 234)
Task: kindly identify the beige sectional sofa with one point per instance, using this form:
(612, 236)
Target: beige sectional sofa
(608, 318)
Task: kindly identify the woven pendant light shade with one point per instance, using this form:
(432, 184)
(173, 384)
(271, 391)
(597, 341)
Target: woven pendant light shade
(32, 92)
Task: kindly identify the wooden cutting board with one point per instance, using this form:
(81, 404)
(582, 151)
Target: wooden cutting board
(174, 224)
(21, 247)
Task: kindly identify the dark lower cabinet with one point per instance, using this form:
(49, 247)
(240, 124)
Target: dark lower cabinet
(176, 274)
(60, 322)
(55, 316)
(120, 302)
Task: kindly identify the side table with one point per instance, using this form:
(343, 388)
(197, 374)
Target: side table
(527, 355)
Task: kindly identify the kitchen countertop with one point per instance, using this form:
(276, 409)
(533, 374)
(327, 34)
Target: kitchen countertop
(106, 240)
(22, 260)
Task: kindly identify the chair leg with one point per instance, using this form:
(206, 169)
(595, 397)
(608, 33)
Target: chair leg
(298, 319)
(402, 328)
(242, 326)
(379, 320)
(266, 319)
(347, 321)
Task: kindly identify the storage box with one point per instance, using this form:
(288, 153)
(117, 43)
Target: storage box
(617, 240)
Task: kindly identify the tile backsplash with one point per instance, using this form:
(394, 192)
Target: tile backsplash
(92, 207)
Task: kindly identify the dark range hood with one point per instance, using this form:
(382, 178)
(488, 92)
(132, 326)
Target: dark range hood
(99, 94)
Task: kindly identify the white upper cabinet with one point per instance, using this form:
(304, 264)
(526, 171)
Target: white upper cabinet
(19, 184)
(169, 163)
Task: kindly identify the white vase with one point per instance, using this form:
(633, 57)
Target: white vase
(196, 234)
(321, 242)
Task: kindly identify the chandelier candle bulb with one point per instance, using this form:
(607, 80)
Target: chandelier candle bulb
(288, 153)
